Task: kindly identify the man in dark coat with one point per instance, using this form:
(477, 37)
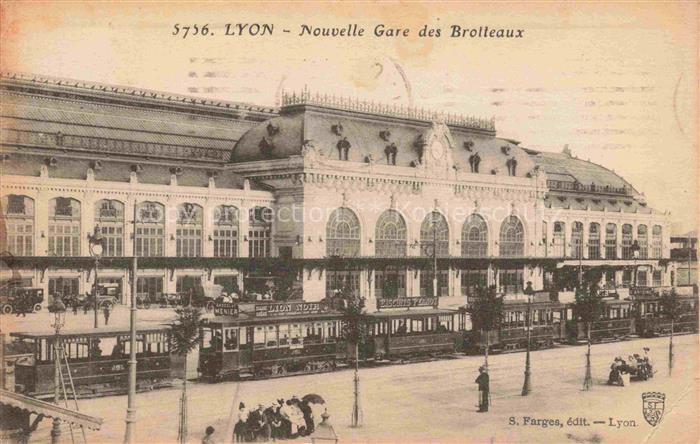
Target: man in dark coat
(483, 381)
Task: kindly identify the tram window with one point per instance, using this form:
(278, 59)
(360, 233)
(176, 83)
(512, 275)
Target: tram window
(308, 330)
(76, 350)
(318, 330)
(284, 334)
(139, 346)
(296, 333)
(206, 339)
(243, 339)
(416, 325)
(271, 336)
(556, 316)
(445, 323)
(45, 351)
(259, 337)
(230, 339)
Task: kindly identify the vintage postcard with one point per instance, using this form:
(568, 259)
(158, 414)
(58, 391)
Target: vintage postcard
(354, 222)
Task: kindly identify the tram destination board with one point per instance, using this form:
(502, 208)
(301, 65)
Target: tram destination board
(290, 308)
(226, 309)
(407, 302)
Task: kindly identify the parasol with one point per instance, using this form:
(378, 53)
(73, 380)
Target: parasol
(313, 398)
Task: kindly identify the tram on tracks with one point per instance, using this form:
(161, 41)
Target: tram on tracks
(269, 340)
(547, 326)
(96, 360)
(616, 323)
(651, 321)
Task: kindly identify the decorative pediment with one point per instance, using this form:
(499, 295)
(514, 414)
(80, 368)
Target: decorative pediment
(436, 147)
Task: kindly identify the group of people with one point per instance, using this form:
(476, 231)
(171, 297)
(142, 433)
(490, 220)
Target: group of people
(635, 365)
(279, 420)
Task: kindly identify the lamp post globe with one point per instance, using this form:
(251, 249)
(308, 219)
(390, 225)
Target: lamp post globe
(96, 249)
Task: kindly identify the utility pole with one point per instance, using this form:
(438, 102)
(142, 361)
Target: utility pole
(526, 383)
(435, 269)
(131, 401)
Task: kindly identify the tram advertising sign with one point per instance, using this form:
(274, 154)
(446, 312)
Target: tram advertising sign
(289, 308)
(407, 302)
(226, 309)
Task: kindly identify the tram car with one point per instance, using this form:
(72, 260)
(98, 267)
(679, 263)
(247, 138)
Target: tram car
(547, 326)
(93, 362)
(409, 334)
(268, 340)
(652, 322)
(616, 323)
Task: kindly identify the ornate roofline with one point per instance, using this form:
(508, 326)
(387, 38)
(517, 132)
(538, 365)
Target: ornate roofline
(134, 95)
(305, 97)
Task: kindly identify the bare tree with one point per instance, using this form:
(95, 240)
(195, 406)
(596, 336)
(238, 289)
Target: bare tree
(354, 332)
(184, 337)
(588, 308)
(671, 308)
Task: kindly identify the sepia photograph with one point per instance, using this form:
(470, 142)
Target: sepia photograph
(348, 222)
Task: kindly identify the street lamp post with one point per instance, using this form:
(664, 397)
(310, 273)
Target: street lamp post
(131, 396)
(58, 308)
(526, 383)
(96, 249)
(435, 269)
(635, 254)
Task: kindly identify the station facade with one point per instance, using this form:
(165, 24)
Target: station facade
(317, 194)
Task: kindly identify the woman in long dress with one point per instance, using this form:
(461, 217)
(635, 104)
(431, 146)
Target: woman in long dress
(240, 429)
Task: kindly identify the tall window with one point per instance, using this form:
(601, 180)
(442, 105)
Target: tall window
(109, 215)
(471, 280)
(475, 237)
(545, 238)
(390, 282)
(643, 241)
(337, 280)
(225, 233)
(188, 234)
(656, 242)
(149, 287)
(343, 234)
(390, 235)
(510, 280)
(559, 239)
(577, 240)
(594, 241)
(150, 229)
(627, 242)
(259, 232)
(656, 278)
(18, 212)
(434, 235)
(426, 282)
(511, 238)
(611, 241)
(67, 286)
(64, 227)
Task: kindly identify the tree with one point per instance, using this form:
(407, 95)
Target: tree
(486, 313)
(672, 308)
(354, 331)
(184, 337)
(588, 308)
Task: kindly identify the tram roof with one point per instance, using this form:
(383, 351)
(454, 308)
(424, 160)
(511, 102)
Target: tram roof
(412, 313)
(103, 331)
(249, 319)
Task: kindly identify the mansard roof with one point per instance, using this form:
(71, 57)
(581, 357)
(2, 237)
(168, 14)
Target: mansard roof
(370, 130)
(93, 117)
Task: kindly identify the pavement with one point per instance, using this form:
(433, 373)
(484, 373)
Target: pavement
(436, 401)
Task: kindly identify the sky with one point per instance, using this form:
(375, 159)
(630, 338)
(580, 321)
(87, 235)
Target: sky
(615, 82)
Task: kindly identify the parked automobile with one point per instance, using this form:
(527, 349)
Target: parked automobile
(14, 297)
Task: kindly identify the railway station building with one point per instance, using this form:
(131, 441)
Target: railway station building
(305, 198)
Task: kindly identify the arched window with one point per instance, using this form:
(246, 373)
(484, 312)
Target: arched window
(474, 161)
(259, 232)
(343, 234)
(390, 234)
(627, 242)
(577, 240)
(188, 234)
(475, 237)
(559, 239)
(643, 241)
(225, 234)
(109, 216)
(434, 235)
(611, 241)
(594, 241)
(64, 227)
(18, 214)
(150, 229)
(656, 242)
(512, 238)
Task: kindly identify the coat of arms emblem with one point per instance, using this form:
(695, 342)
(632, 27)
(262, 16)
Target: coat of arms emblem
(653, 407)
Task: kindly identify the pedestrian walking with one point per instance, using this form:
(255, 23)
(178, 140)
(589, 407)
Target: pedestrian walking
(483, 381)
(106, 311)
(208, 436)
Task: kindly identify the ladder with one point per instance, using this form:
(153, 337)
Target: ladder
(61, 358)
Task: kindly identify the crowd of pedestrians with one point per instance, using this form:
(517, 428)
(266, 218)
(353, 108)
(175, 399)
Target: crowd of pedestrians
(279, 420)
